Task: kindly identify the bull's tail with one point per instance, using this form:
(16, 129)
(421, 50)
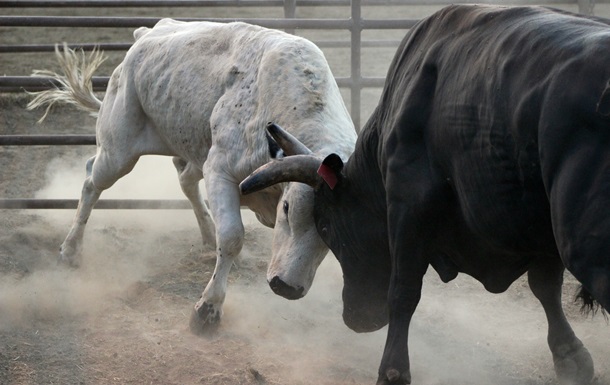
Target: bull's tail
(588, 304)
(76, 87)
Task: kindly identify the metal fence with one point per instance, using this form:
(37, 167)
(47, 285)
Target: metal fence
(355, 24)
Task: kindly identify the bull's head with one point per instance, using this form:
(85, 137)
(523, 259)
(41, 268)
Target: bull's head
(350, 230)
(297, 249)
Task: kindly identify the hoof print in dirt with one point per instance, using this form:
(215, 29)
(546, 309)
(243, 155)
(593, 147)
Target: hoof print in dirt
(204, 320)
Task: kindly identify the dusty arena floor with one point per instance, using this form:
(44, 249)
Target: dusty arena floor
(123, 317)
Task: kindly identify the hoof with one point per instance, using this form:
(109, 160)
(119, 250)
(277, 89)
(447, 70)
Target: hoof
(574, 365)
(68, 259)
(394, 377)
(205, 320)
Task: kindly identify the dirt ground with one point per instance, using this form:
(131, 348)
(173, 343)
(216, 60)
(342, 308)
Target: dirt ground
(123, 317)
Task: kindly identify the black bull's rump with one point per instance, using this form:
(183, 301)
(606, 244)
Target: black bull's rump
(488, 154)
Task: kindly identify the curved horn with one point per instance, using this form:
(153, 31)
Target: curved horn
(297, 168)
(287, 142)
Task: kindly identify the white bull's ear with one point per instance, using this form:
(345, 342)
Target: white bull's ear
(286, 141)
(297, 168)
(275, 151)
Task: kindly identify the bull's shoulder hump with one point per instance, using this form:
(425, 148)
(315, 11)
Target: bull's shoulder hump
(463, 18)
(139, 32)
(271, 39)
(168, 21)
(169, 27)
(494, 30)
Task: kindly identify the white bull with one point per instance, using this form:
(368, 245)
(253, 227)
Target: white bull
(203, 93)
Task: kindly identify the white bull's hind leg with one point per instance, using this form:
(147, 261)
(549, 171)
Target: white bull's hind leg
(101, 174)
(70, 251)
(224, 199)
(189, 176)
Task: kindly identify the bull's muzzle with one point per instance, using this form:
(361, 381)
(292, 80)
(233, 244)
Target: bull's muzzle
(281, 288)
(364, 310)
(364, 322)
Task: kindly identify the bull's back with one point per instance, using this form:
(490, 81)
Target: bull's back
(178, 71)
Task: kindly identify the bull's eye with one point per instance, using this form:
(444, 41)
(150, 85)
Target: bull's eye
(324, 231)
(285, 207)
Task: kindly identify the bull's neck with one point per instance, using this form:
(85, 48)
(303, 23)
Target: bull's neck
(363, 168)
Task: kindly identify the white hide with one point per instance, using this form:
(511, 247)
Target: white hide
(203, 92)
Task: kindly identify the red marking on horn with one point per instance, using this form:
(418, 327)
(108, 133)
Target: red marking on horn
(328, 175)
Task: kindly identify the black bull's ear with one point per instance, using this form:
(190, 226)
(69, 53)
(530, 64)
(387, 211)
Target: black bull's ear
(330, 170)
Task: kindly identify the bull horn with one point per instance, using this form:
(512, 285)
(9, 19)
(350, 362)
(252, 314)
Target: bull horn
(287, 142)
(297, 168)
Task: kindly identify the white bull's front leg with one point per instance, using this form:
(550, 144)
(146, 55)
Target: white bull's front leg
(224, 200)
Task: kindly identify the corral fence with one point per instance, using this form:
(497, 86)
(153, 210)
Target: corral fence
(355, 24)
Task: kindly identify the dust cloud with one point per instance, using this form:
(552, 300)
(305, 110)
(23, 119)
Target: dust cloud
(109, 265)
(460, 334)
(53, 292)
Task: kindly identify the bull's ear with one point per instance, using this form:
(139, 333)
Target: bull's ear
(288, 143)
(275, 151)
(330, 170)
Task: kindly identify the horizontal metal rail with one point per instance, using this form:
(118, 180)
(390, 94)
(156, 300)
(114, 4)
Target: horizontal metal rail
(36, 83)
(242, 3)
(47, 140)
(135, 22)
(25, 48)
(162, 3)
(114, 204)
(40, 83)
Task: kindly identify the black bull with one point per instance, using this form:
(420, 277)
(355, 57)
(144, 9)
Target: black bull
(488, 154)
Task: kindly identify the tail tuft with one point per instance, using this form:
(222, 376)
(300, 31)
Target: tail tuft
(589, 305)
(76, 86)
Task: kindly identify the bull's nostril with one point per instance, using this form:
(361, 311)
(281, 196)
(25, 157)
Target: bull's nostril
(280, 287)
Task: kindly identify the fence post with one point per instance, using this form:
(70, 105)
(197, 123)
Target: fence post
(290, 7)
(586, 7)
(356, 75)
